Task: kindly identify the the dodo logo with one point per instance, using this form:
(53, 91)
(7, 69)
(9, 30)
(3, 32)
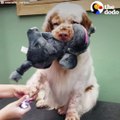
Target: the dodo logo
(97, 7)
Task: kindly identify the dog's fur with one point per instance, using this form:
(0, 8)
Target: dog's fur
(72, 92)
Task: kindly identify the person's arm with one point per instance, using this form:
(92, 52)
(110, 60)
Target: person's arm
(7, 91)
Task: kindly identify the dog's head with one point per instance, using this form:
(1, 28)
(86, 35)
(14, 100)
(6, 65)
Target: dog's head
(67, 13)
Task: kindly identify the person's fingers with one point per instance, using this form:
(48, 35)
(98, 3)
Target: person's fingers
(26, 109)
(19, 94)
(21, 90)
(26, 90)
(19, 101)
(33, 97)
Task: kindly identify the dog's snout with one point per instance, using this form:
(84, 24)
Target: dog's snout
(63, 32)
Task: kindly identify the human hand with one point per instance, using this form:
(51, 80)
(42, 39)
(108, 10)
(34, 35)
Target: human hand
(20, 90)
(8, 91)
(13, 111)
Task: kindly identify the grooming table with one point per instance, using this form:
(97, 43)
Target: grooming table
(102, 111)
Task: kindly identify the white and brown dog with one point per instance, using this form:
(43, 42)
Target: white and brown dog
(71, 91)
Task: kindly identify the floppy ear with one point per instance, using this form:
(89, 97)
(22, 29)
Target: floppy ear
(47, 25)
(86, 22)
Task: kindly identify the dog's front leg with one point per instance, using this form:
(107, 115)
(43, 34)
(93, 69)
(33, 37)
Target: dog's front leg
(42, 98)
(35, 82)
(74, 107)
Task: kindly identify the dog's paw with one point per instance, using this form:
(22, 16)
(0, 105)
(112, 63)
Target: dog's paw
(41, 100)
(72, 116)
(62, 110)
(41, 104)
(33, 91)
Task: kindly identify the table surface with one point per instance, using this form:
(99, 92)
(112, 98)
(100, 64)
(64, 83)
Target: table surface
(102, 111)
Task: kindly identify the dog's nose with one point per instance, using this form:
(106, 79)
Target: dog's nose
(63, 35)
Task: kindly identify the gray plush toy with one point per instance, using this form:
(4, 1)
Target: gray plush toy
(44, 48)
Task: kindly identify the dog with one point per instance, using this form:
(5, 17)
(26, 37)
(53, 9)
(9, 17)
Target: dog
(71, 91)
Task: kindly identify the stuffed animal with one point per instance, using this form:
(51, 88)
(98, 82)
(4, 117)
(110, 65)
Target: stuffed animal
(44, 48)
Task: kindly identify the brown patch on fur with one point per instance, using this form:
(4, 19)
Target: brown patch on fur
(89, 88)
(56, 20)
(86, 22)
(53, 20)
(47, 26)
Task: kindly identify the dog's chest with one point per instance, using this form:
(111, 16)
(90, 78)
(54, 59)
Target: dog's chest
(62, 87)
(63, 84)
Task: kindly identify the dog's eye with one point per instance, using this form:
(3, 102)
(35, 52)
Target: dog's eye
(55, 24)
(68, 27)
(74, 22)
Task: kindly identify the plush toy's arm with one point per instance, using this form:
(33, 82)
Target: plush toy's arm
(16, 75)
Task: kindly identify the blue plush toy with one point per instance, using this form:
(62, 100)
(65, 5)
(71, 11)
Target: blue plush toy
(44, 48)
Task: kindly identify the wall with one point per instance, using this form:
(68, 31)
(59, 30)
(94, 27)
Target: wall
(104, 48)
(12, 36)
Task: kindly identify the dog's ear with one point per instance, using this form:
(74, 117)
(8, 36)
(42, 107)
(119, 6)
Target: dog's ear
(47, 25)
(86, 22)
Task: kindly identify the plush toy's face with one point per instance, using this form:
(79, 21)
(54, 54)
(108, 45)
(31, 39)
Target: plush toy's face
(33, 36)
(63, 32)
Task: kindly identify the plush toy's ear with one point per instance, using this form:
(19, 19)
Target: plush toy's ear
(33, 34)
(16, 75)
(91, 30)
(68, 61)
